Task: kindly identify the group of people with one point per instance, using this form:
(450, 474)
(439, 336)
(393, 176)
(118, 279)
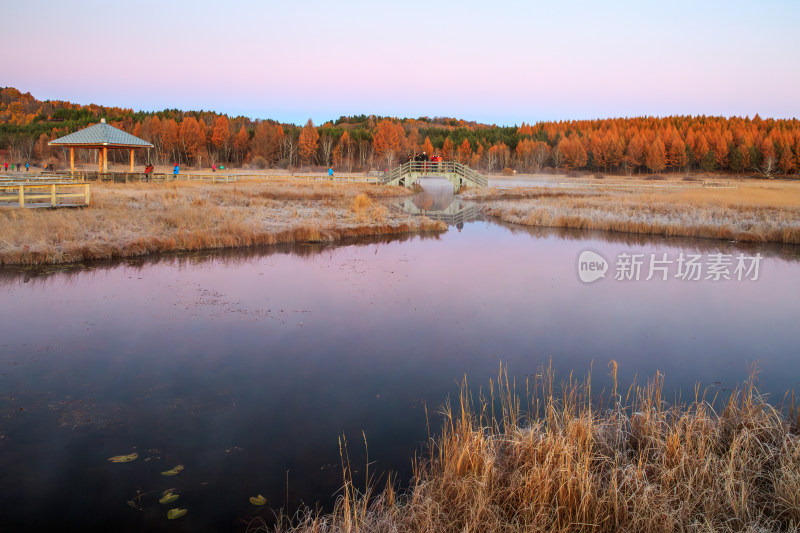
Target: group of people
(17, 166)
(436, 158)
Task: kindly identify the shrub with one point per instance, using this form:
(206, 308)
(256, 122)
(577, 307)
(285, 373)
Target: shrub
(508, 171)
(361, 203)
(655, 177)
(599, 176)
(259, 162)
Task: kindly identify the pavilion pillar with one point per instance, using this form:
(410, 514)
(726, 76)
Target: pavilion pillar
(72, 159)
(105, 158)
(131, 159)
(100, 160)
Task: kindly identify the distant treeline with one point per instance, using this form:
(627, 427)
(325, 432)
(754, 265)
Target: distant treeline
(358, 143)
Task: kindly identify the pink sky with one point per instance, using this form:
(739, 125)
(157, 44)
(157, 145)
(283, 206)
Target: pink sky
(503, 62)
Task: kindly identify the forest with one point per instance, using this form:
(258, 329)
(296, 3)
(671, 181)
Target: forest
(640, 145)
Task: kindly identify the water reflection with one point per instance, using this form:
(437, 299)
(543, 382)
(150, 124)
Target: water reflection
(242, 365)
(437, 201)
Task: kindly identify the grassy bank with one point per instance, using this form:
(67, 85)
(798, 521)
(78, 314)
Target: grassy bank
(752, 212)
(137, 219)
(635, 464)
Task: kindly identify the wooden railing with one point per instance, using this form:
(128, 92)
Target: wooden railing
(152, 177)
(433, 168)
(41, 195)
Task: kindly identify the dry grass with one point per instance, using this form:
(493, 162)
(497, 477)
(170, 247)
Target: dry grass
(636, 465)
(133, 220)
(753, 212)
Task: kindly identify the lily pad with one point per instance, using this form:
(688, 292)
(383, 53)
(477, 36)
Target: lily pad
(133, 504)
(168, 498)
(124, 458)
(173, 472)
(258, 500)
(172, 514)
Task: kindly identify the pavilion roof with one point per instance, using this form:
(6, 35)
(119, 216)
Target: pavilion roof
(101, 134)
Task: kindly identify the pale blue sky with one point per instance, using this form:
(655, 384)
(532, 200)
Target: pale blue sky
(501, 62)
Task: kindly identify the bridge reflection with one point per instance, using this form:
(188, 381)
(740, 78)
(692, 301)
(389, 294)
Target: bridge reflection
(437, 202)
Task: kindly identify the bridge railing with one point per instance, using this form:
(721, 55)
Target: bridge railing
(435, 167)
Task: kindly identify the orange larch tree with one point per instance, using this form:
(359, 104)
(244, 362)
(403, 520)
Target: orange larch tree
(388, 141)
(240, 143)
(308, 142)
(221, 137)
(464, 152)
(447, 150)
(656, 158)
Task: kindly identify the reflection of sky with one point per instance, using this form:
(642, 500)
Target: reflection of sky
(279, 354)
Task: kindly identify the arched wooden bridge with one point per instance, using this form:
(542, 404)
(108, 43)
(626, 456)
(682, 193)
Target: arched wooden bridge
(459, 175)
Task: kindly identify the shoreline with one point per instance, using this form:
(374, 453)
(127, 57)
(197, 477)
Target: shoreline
(750, 213)
(132, 220)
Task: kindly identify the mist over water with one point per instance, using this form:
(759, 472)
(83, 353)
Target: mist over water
(245, 365)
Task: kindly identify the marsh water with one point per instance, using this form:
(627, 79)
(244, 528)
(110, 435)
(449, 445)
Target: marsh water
(248, 367)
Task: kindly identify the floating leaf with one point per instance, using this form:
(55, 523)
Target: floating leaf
(124, 458)
(168, 498)
(133, 504)
(258, 500)
(173, 472)
(172, 514)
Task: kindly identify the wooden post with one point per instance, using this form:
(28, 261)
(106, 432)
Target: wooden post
(131, 159)
(53, 194)
(72, 159)
(99, 162)
(22, 196)
(105, 158)
(87, 194)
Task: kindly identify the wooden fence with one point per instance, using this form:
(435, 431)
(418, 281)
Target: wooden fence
(45, 195)
(646, 186)
(221, 177)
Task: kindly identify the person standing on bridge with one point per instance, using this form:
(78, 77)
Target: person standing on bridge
(176, 170)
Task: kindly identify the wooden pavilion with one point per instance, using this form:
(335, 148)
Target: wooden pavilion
(101, 136)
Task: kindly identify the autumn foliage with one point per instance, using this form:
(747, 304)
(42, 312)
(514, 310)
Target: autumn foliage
(358, 143)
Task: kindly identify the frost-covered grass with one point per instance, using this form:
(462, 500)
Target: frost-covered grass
(137, 219)
(559, 462)
(753, 212)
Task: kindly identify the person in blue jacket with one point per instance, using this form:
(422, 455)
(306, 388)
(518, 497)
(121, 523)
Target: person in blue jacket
(176, 170)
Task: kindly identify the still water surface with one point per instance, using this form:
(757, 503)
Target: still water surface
(247, 367)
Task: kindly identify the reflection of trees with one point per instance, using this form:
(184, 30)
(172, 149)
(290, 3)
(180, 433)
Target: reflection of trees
(437, 194)
(240, 256)
(424, 200)
(786, 252)
(11, 275)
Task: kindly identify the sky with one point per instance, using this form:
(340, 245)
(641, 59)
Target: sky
(497, 62)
